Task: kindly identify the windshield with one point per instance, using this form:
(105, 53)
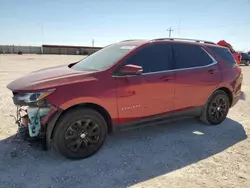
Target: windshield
(103, 58)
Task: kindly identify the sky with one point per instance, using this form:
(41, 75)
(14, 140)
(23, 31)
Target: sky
(77, 22)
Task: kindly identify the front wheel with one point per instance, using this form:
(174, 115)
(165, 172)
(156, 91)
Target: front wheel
(216, 109)
(80, 133)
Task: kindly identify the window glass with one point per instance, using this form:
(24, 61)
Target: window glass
(188, 56)
(224, 53)
(153, 58)
(104, 58)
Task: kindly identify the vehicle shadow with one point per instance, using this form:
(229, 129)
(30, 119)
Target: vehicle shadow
(243, 96)
(126, 159)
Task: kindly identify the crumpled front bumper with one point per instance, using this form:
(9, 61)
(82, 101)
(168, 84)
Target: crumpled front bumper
(35, 114)
(33, 119)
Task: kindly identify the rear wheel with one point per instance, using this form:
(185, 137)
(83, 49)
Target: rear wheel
(247, 63)
(80, 133)
(216, 109)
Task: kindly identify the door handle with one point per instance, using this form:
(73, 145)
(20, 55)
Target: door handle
(167, 78)
(212, 71)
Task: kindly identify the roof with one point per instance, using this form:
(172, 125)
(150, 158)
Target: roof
(195, 43)
(174, 40)
(186, 41)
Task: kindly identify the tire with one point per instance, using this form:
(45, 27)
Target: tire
(213, 113)
(247, 62)
(79, 133)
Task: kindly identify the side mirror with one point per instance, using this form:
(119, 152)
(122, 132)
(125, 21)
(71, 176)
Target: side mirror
(131, 70)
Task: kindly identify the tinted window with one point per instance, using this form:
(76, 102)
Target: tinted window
(152, 58)
(187, 56)
(224, 54)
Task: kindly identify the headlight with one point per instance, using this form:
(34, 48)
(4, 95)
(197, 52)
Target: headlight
(31, 97)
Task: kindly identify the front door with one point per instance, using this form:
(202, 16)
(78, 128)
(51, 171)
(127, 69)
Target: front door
(150, 93)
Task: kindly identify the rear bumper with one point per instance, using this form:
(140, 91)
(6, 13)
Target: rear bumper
(237, 94)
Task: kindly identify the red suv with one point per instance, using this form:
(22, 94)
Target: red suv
(126, 84)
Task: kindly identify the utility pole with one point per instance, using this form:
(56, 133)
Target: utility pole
(42, 38)
(170, 31)
(93, 42)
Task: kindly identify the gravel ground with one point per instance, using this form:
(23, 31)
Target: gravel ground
(183, 153)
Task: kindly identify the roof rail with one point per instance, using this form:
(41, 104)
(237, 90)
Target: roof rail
(184, 39)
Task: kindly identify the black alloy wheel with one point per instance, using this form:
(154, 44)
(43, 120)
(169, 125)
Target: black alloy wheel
(216, 109)
(247, 63)
(82, 134)
(79, 133)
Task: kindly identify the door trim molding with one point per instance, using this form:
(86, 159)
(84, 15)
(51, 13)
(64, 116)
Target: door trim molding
(170, 116)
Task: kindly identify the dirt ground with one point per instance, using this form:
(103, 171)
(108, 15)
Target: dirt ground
(181, 154)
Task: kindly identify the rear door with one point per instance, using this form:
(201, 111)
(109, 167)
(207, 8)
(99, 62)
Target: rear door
(197, 75)
(152, 92)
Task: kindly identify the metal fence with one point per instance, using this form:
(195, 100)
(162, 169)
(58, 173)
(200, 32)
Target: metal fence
(69, 50)
(48, 49)
(14, 49)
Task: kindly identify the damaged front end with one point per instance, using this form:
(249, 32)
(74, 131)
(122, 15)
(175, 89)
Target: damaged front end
(33, 113)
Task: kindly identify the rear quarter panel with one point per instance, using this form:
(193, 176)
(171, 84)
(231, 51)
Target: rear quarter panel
(230, 75)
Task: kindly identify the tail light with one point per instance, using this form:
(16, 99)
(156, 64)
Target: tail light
(238, 69)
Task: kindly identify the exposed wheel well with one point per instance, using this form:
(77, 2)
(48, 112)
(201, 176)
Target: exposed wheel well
(96, 107)
(228, 92)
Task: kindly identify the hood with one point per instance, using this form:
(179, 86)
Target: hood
(49, 78)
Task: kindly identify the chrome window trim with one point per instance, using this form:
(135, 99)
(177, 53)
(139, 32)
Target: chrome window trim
(174, 70)
(209, 54)
(183, 69)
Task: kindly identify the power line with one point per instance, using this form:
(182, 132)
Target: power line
(170, 31)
